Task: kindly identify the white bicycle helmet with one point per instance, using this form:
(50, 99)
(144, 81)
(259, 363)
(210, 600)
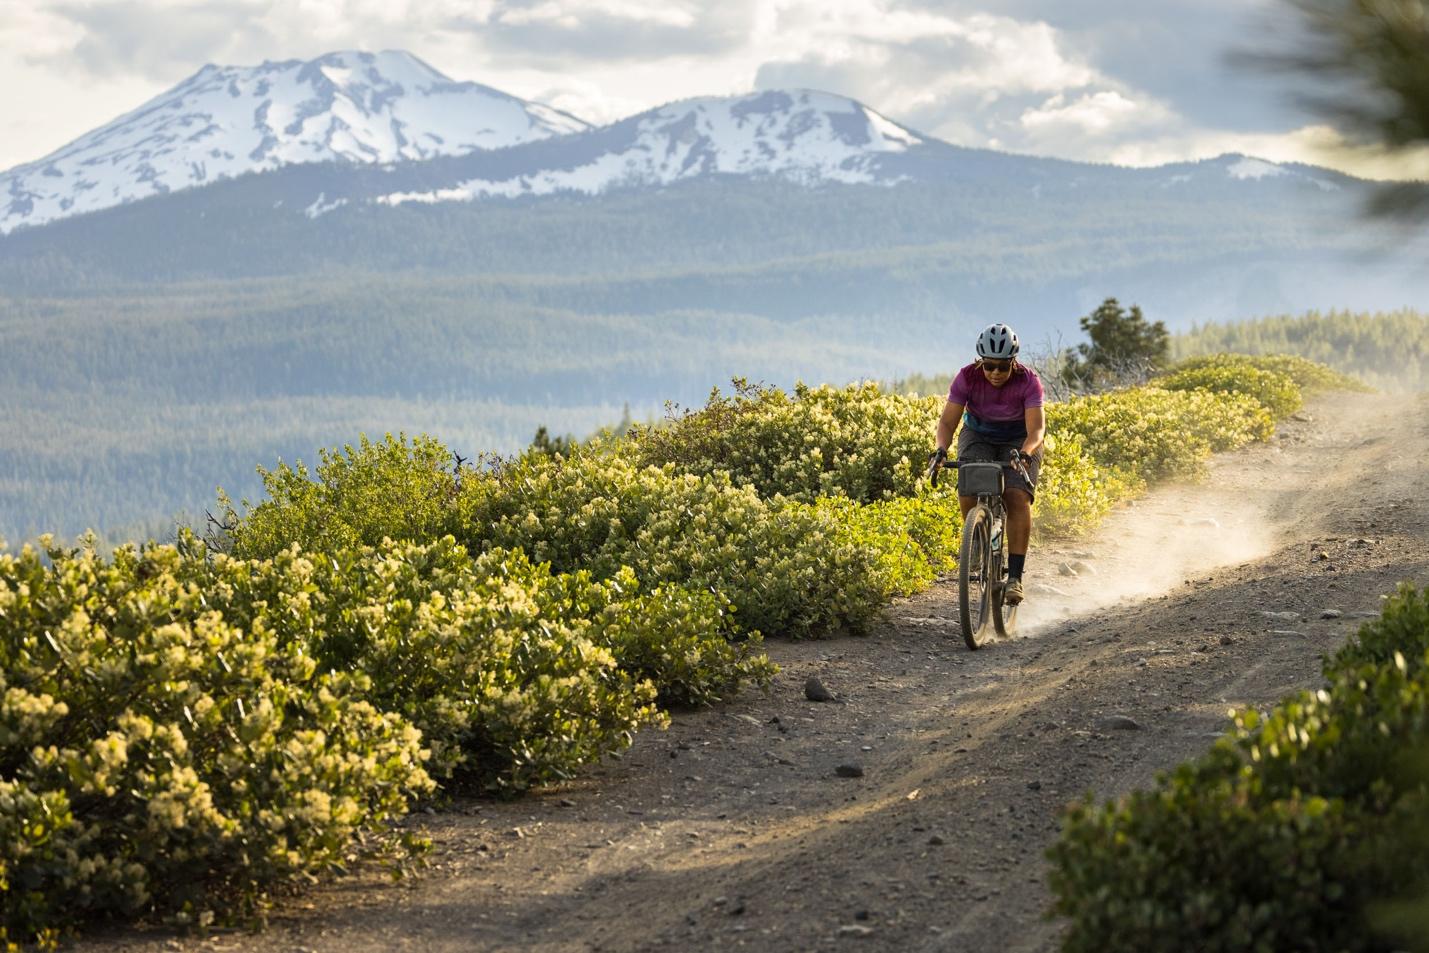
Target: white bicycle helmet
(998, 342)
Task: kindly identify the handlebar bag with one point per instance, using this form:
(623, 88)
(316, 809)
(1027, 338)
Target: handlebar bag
(980, 479)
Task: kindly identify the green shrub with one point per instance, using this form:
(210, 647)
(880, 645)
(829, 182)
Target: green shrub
(915, 538)
(1292, 833)
(1274, 391)
(1309, 376)
(1147, 434)
(784, 566)
(515, 676)
(854, 441)
(400, 489)
(396, 489)
(156, 757)
(1402, 630)
(674, 637)
(1074, 493)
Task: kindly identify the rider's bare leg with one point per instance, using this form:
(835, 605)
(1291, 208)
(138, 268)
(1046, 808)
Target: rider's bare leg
(1019, 520)
(967, 503)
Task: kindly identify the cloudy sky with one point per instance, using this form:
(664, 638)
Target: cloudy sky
(1124, 81)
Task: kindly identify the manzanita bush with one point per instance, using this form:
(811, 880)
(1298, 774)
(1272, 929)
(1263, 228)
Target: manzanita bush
(1302, 829)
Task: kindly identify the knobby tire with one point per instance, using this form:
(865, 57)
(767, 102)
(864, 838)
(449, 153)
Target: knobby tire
(975, 599)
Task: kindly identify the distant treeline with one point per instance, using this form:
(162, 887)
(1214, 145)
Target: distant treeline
(122, 419)
(1387, 349)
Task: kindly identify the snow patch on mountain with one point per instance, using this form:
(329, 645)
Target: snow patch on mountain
(1244, 168)
(1248, 168)
(802, 135)
(226, 121)
(321, 206)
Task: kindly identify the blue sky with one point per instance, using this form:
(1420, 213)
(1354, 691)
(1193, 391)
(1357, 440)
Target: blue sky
(1125, 81)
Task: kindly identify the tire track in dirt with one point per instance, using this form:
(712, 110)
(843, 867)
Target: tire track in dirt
(733, 829)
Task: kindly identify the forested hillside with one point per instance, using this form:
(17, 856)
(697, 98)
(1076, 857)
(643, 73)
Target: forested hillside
(154, 351)
(1389, 349)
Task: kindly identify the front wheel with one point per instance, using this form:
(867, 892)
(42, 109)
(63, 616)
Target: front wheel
(975, 584)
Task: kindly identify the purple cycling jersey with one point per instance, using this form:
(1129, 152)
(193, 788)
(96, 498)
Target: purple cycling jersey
(998, 413)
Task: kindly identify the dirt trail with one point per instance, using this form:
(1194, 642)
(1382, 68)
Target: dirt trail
(734, 828)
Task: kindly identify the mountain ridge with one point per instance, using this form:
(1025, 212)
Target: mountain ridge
(444, 141)
(225, 121)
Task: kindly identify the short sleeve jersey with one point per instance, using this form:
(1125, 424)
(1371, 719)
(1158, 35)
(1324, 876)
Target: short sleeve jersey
(998, 413)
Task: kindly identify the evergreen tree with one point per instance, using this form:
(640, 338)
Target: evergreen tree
(543, 442)
(1124, 348)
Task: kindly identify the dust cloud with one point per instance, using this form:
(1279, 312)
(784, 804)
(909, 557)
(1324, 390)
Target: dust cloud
(1172, 535)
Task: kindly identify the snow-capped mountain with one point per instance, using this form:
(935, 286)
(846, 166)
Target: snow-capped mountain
(225, 121)
(1242, 168)
(363, 129)
(801, 135)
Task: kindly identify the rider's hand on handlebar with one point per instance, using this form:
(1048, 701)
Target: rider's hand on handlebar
(935, 460)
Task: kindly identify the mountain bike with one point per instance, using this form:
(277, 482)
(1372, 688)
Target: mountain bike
(981, 564)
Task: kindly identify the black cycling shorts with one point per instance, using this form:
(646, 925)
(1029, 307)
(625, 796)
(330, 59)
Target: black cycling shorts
(974, 447)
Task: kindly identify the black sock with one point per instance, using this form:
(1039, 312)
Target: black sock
(1015, 564)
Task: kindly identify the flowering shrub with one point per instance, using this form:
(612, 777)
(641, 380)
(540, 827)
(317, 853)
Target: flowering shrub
(516, 676)
(784, 567)
(1275, 392)
(854, 441)
(1310, 376)
(153, 755)
(396, 489)
(1150, 433)
(916, 538)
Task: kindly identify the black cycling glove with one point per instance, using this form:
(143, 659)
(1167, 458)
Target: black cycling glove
(936, 460)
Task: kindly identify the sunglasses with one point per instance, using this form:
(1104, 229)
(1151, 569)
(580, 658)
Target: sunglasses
(997, 367)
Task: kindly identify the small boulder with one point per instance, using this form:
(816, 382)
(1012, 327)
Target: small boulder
(1117, 723)
(849, 771)
(815, 691)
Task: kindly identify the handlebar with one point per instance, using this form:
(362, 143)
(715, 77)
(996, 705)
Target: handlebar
(940, 461)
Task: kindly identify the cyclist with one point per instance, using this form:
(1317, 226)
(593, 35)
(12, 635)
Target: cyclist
(999, 403)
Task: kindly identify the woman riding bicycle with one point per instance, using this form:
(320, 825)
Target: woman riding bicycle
(999, 401)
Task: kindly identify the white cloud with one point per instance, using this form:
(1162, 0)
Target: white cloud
(34, 32)
(917, 56)
(1096, 113)
(568, 15)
